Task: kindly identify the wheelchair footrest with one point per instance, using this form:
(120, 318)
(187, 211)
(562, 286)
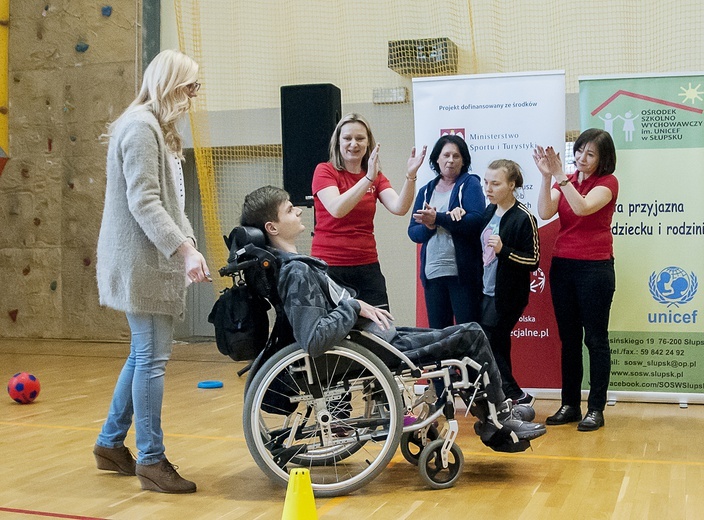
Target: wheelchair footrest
(499, 439)
(512, 447)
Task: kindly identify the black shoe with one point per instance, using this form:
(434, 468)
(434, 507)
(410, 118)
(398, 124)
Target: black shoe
(525, 399)
(566, 414)
(592, 421)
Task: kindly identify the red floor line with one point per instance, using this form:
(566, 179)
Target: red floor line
(46, 513)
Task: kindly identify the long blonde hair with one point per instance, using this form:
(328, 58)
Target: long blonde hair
(164, 92)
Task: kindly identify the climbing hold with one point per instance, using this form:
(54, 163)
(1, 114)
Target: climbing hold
(82, 47)
(86, 261)
(37, 221)
(106, 10)
(25, 173)
(53, 285)
(26, 270)
(13, 314)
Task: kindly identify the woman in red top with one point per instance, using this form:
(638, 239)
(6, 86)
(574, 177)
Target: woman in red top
(345, 191)
(582, 278)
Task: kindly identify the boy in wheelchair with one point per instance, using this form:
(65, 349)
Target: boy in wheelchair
(322, 313)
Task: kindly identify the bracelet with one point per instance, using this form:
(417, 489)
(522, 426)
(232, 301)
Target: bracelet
(412, 179)
(369, 179)
(563, 183)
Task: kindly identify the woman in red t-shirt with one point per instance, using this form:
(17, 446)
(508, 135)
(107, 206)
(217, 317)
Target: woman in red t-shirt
(345, 192)
(582, 279)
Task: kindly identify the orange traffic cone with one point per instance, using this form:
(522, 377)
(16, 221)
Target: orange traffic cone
(300, 504)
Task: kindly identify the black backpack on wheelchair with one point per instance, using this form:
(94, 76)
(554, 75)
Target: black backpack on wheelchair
(240, 315)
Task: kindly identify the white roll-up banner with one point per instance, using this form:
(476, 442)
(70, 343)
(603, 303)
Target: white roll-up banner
(504, 116)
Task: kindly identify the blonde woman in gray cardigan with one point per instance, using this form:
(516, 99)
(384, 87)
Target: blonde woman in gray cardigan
(146, 259)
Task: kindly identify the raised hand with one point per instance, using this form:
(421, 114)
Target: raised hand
(415, 161)
(373, 163)
(548, 162)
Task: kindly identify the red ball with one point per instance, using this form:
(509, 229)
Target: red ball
(23, 387)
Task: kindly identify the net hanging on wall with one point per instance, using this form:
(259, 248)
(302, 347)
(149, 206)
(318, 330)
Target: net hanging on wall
(248, 50)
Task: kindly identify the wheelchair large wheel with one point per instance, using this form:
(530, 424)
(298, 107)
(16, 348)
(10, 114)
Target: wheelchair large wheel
(430, 465)
(340, 415)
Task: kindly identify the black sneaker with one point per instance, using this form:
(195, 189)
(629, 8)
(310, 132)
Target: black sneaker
(525, 399)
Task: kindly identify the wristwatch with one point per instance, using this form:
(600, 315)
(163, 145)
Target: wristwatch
(563, 183)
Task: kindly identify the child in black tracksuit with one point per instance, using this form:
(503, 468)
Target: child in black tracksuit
(511, 251)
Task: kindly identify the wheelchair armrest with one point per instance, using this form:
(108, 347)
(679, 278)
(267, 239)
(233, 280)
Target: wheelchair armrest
(248, 256)
(386, 351)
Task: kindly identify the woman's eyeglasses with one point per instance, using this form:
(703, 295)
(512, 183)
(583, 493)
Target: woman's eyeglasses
(194, 87)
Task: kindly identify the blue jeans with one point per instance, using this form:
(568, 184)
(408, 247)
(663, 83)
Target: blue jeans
(140, 388)
(448, 301)
(582, 291)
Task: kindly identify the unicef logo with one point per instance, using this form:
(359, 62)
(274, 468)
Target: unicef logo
(537, 280)
(673, 286)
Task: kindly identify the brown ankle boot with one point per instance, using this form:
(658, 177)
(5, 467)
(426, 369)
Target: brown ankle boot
(163, 478)
(115, 459)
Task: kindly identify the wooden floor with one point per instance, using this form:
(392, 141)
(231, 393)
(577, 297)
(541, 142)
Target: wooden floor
(648, 462)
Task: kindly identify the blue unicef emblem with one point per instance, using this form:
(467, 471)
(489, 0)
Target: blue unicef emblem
(673, 286)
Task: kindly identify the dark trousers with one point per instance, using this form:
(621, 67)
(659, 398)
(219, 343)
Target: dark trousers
(498, 327)
(467, 339)
(367, 280)
(582, 292)
(447, 301)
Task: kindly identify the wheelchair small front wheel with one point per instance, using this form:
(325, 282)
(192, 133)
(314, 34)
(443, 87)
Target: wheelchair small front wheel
(412, 443)
(431, 468)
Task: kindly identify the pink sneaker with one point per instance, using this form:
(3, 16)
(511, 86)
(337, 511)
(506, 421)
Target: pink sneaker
(409, 419)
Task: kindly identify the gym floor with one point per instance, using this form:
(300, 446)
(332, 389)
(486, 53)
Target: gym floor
(647, 462)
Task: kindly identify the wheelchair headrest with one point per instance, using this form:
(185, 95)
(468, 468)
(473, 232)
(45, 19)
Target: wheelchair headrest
(243, 235)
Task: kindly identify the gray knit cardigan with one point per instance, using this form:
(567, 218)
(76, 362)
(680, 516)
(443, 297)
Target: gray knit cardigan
(143, 225)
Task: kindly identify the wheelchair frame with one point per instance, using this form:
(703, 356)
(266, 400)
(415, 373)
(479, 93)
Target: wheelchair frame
(343, 414)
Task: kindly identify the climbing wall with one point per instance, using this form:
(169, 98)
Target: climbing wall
(72, 68)
(4, 126)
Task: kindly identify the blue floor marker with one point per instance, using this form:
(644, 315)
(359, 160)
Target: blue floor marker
(210, 384)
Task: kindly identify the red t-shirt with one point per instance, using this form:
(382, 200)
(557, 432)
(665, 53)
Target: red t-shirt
(348, 240)
(589, 237)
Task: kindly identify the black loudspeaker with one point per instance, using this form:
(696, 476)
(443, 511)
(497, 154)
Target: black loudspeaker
(309, 114)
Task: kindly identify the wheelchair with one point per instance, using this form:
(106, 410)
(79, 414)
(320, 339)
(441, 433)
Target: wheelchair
(343, 415)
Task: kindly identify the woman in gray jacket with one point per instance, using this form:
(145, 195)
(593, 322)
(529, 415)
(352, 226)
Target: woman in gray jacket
(146, 258)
